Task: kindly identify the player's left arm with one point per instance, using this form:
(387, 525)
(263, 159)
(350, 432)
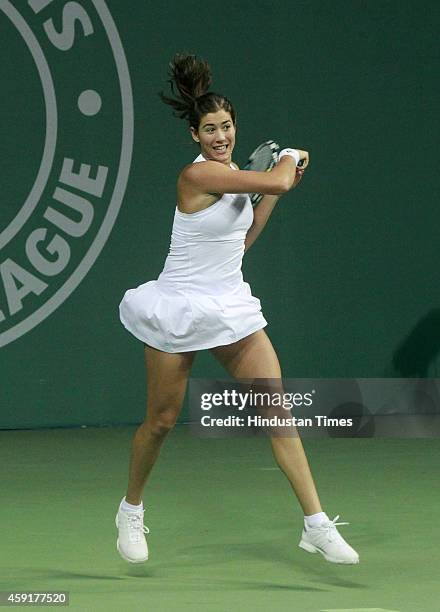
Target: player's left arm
(261, 216)
(262, 213)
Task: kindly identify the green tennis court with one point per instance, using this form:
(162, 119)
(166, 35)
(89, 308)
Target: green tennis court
(224, 525)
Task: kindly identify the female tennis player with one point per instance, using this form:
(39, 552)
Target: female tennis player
(200, 301)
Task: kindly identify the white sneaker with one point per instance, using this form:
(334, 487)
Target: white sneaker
(327, 540)
(131, 544)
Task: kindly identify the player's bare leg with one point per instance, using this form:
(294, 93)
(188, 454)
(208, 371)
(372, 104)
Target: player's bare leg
(167, 378)
(255, 357)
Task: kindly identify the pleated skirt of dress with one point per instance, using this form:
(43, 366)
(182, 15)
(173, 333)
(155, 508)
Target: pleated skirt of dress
(179, 323)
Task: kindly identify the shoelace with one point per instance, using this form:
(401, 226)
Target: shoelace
(331, 528)
(135, 524)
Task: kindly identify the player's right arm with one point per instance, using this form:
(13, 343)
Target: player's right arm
(214, 177)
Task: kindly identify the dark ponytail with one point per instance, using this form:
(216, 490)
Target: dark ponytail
(192, 77)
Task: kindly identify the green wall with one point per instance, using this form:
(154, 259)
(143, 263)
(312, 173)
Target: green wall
(347, 268)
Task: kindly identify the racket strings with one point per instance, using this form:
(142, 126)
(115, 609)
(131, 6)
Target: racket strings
(263, 159)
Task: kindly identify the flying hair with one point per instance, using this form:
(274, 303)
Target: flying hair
(190, 78)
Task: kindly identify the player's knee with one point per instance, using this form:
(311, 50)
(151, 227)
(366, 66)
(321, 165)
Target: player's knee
(161, 425)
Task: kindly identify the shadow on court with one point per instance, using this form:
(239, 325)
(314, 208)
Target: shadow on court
(231, 585)
(314, 568)
(156, 580)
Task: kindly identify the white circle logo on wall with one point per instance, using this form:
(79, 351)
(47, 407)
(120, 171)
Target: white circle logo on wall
(66, 149)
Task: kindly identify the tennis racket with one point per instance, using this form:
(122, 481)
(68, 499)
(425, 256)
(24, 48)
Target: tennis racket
(263, 159)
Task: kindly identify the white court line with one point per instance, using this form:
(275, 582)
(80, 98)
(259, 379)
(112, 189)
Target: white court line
(358, 610)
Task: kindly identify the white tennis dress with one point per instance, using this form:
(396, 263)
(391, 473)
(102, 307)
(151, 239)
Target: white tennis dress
(200, 299)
